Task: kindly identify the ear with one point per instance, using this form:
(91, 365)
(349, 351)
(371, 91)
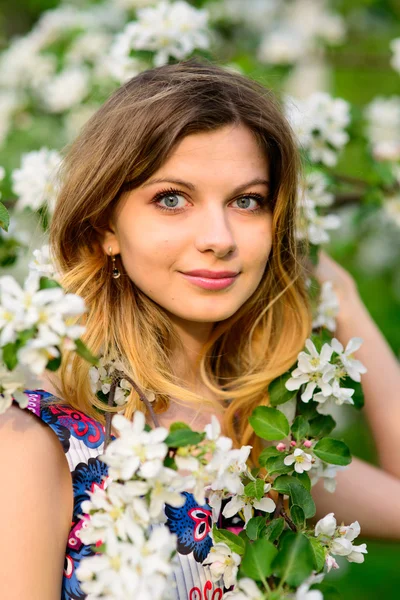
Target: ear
(110, 240)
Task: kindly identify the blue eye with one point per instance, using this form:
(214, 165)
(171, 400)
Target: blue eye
(245, 202)
(171, 200)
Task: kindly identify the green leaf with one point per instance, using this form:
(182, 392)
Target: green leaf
(269, 423)
(9, 355)
(278, 393)
(275, 465)
(304, 479)
(255, 489)
(266, 454)
(26, 335)
(299, 428)
(83, 351)
(184, 437)
(4, 217)
(285, 484)
(256, 527)
(274, 529)
(295, 560)
(235, 543)
(332, 451)
(170, 463)
(46, 283)
(257, 559)
(321, 426)
(178, 425)
(297, 516)
(54, 364)
(318, 552)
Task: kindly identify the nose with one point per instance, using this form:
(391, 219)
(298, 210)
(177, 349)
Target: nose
(214, 231)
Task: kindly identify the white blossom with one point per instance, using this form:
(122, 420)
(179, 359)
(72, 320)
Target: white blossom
(395, 60)
(229, 468)
(302, 461)
(66, 89)
(391, 207)
(383, 127)
(12, 385)
(314, 369)
(101, 378)
(223, 563)
(325, 472)
(168, 29)
(43, 263)
(135, 450)
(245, 589)
(339, 540)
(353, 367)
(319, 124)
(241, 502)
(326, 526)
(35, 182)
(327, 309)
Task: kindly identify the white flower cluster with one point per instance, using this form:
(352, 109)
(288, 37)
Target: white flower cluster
(298, 30)
(317, 371)
(222, 476)
(314, 194)
(383, 127)
(40, 320)
(43, 263)
(167, 29)
(339, 540)
(319, 124)
(35, 182)
(101, 378)
(127, 517)
(327, 309)
(395, 47)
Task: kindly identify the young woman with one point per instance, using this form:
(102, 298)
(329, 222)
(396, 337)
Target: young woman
(175, 222)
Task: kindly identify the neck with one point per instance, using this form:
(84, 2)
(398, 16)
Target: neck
(193, 337)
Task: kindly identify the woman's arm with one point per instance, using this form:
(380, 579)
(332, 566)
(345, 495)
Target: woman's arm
(381, 384)
(366, 494)
(35, 506)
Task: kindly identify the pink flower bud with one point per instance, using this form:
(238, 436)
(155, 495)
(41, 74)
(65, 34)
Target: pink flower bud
(281, 447)
(293, 443)
(307, 443)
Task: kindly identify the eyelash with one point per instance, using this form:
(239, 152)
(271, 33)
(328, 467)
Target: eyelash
(170, 191)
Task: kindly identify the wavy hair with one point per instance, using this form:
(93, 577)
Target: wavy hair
(119, 148)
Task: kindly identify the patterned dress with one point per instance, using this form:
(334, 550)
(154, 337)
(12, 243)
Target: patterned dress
(82, 439)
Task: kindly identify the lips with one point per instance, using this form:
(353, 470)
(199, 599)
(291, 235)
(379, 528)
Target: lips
(211, 274)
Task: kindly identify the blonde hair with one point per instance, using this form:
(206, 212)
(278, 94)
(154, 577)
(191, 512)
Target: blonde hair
(120, 147)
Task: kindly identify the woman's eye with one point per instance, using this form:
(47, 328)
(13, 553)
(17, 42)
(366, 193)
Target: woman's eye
(171, 201)
(246, 202)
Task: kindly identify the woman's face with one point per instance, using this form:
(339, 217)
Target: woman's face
(207, 209)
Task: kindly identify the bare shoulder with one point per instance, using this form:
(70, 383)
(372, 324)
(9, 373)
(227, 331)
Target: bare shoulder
(36, 503)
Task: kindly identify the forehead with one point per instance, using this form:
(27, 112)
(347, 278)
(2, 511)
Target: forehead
(232, 149)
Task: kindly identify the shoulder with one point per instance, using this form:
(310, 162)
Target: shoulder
(34, 479)
(26, 441)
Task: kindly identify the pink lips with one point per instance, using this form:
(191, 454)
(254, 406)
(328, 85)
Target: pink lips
(211, 280)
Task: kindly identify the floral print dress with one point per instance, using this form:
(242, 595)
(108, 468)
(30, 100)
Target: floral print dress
(82, 439)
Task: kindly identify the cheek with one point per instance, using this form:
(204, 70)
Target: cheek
(256, 244)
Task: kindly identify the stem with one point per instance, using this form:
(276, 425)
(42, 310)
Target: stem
(110, 402)
(142, 397)
(288, 520)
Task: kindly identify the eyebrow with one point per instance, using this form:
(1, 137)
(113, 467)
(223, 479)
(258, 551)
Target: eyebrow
(191, 186)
